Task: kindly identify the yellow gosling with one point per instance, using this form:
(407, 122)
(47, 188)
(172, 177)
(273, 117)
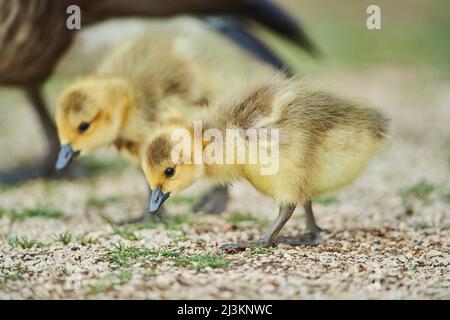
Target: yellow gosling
(324, 144)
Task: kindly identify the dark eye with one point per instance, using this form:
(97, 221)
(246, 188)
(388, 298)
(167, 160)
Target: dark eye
(83, 127)
(169, 172)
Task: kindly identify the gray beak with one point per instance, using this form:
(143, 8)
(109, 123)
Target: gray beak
(157, 199)
(65, 155)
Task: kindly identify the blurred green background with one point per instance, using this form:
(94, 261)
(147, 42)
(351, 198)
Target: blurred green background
(415, 33)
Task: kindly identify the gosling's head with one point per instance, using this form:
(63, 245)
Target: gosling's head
(89, 115)
(168, 168)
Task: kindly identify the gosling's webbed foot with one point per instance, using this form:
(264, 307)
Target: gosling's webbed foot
(267, 239)
(214, 201)
(307, 239)
(240, 246)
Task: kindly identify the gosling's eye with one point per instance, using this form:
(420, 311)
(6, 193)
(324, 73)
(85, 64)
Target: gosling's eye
(169, 172)
(83, 127)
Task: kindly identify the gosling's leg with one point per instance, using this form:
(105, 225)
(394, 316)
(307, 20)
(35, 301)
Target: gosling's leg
(267, 239)
(214, 201)
(312, 234)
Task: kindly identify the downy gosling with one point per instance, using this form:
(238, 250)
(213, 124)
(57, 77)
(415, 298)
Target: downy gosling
(324, 143)
(182, 63)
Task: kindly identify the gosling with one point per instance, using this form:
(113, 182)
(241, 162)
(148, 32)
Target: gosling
(182, 63)
(325, 142)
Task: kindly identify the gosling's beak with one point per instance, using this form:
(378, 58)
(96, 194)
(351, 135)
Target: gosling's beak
(157, 199)
(65, 155)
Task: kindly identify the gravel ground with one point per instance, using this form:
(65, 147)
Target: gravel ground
(389, 232)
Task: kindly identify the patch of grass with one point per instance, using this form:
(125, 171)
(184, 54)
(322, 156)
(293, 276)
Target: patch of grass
(150, 273)
(65, 238)
(415, 266)
(147, 225)
(176, 222)
(50, 187)
(170, 253)
(124, 276)
(98, 202)
(238, 219)
(64, 272)
(15, 275)
(182, 261)
(325, 200)
(126, 231)
(122, 255)
(25, 243)
(171, 223)
(14, 242)
(85, 240)
(178, 200)
(198, 261)
(254, 251)
(100, 287)
(181, 237)
(202, 261)
(420, 191)
(39, 211)
(421, 226)
(110, 281)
